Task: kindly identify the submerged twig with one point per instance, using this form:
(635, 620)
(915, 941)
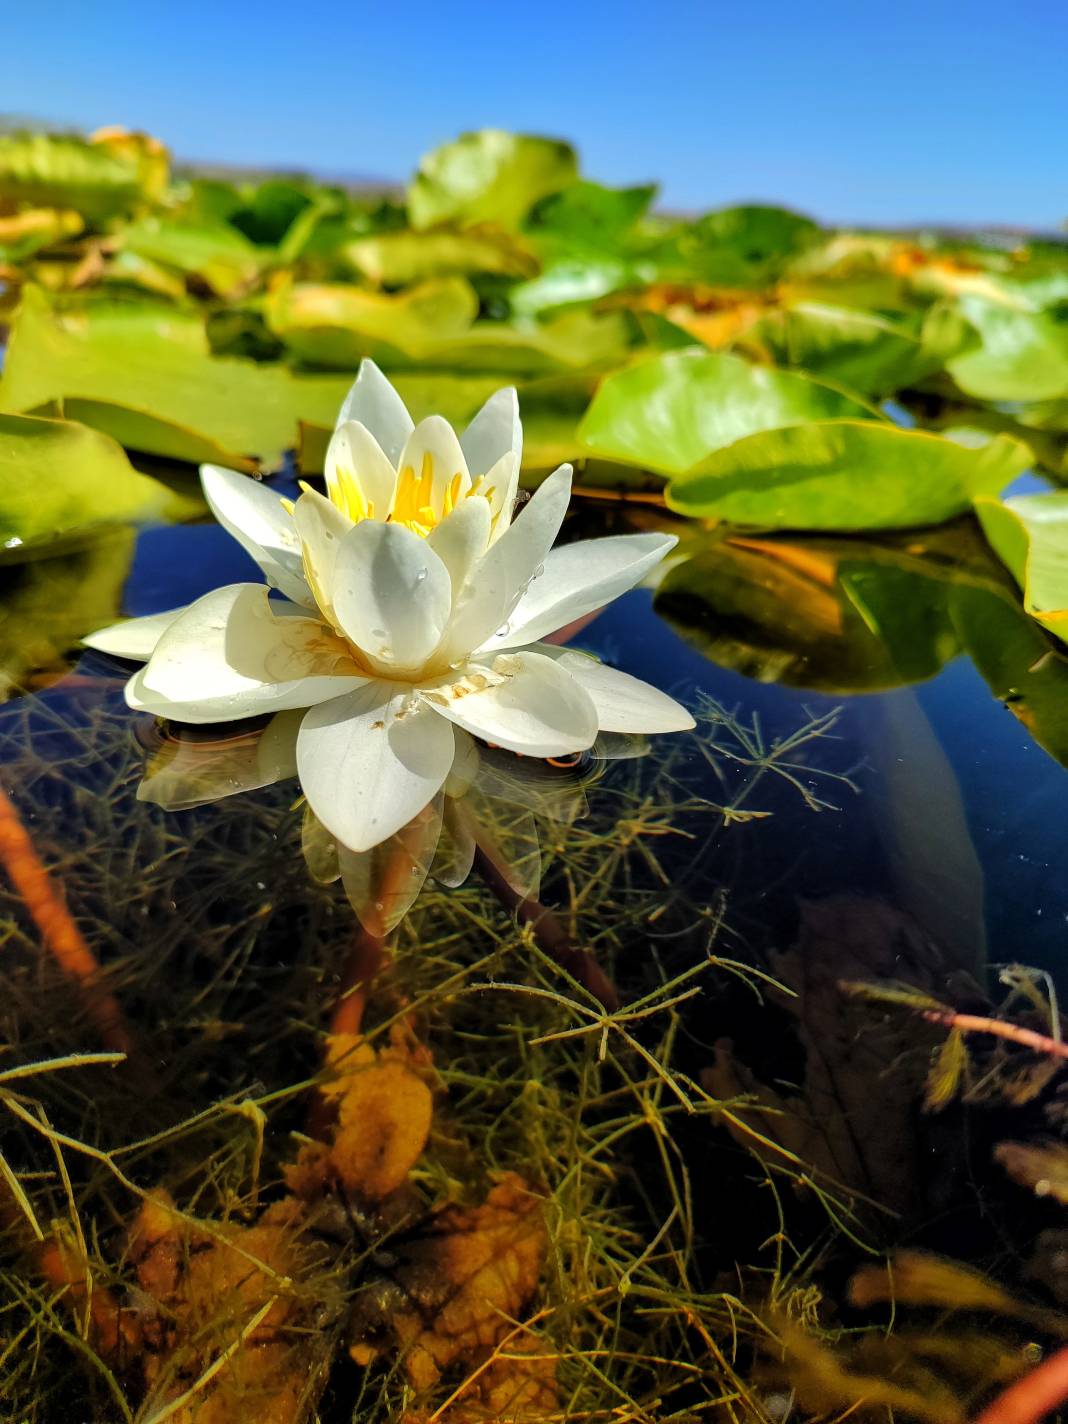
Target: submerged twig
(61, 936)
(548, 931)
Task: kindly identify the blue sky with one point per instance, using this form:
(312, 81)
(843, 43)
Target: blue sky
(952, 110)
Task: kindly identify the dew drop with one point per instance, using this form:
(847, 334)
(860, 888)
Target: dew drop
(378, 632)
(504, 630)
(421, 575)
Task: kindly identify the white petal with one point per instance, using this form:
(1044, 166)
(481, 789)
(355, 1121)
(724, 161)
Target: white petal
(485, 603)
(354, 453)
(374, 403)
(371, 761)
(321, 527)
(392, 594)
(433, 447)
(455, 853)
(495, 431)
(537, 709)
(133, 638)
(187, 772)
(383, 883)
(462, 538)
(578, 578)
(320, 849)
(263, 526)
(624, 703)
(500, 486)
(229, 656)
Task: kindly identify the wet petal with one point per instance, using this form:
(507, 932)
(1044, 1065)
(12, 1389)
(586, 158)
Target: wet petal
(485, 603)
(432, 474)
(133, 638)
(186, 772)
(462, 538)
(375, 404)
(494, 432)
(262, 524)
(370, 761)
(534, 707)
(392, 595)
(383, 883)
(624, 703)
(229, 656)
(578, 578)
(359, 475)
(320, 526)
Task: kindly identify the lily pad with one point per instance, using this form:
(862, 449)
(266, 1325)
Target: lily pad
(48, 604)
(223, 258)
(845, 474)
(98, 180)
(1024, 667)
(1022, 355)
(489, 176)
(669, 413)
(1029, 534)
(860, 350)
(833, 614)
(58, 477)
(144, 372)
(395, 259)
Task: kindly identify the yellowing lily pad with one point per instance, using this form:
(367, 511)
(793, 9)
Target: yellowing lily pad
(669, 413)
(489, 176)
(845, 474)
(58, 477)
(144, 373)
(1029, 534)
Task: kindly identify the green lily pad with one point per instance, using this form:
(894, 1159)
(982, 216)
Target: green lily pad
(145, 373)
(845, 474)
(669, 413)
(48, 604)
(395, 259)
(98, 180)
(59, 478)
(1023, 666)
(1029, 534)
(489, 176)
(838, 615)
(865, 352)
(223, 258)
(1022, 355)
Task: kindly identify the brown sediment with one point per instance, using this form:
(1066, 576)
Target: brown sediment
(59, 933)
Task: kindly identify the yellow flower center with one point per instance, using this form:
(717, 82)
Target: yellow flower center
(414, 503)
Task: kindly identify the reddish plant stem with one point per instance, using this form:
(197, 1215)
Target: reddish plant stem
(59, 934)
(974, 1023)
(1033, 1397)
(548, 930)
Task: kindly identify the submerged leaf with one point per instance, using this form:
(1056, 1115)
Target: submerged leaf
(1043, 1168)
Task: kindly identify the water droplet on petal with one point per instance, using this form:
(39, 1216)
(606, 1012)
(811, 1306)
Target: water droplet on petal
(504, 630)
(378, 632)
(421, 575)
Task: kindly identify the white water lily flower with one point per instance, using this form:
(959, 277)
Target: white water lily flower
(488, 795)
(412, 604)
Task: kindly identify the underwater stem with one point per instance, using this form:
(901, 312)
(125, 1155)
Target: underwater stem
(548, 930)
(975, 1023)
(61, 936)
(1034, 1396)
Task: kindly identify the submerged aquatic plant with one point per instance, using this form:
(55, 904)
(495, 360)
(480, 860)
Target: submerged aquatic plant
(413, 613)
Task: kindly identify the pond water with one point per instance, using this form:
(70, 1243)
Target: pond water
(910, 833)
